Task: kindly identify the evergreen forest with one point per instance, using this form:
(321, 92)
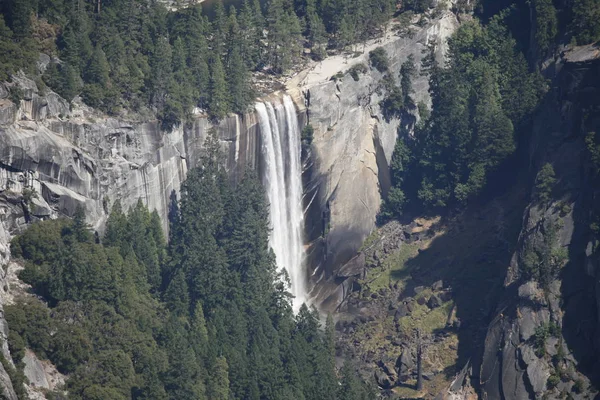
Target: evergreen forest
(137, 55)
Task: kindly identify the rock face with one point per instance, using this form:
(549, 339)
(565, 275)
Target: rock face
(353, 145)
(6, 387)
(34, 371)
(544, 337)
(78, 157)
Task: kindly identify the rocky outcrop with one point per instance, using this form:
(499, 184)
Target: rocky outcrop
(353, 145)
(42, 375)
(6, 386)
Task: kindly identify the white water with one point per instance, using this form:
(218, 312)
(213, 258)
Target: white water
(282, 176)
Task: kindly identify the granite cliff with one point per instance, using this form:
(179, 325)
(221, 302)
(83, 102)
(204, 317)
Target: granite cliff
(349, 158)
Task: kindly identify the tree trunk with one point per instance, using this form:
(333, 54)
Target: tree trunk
(419, 361)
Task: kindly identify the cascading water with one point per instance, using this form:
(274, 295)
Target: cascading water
(282, 176)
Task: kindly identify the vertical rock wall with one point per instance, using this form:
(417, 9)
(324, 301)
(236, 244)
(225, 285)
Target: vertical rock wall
(353, 145)
(82, 157)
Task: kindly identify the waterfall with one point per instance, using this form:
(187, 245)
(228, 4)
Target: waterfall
(282, 177)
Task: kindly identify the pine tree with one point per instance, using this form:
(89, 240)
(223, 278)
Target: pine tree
(219, 29)
(177, 296)
(544, 183)
(183, 380)
(250, 35)
(97, 70)
(203, 261)
(20, 17)
(162, 72)
(546, 23)
(144, 245)
(218, 106)
(9, 51)
(585, 25)
(199, 333)
(317, 35)
(219, 382)
(80, 229)
(240, 93)
(407, 74)
(116, 227)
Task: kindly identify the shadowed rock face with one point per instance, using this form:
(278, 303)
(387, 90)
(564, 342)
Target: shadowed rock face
(516, 363)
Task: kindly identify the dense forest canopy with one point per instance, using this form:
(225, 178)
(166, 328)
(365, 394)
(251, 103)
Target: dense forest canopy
(206, 316)
(122, 54)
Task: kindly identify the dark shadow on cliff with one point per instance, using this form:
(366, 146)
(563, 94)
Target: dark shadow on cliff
(579, 290)
(470, 254)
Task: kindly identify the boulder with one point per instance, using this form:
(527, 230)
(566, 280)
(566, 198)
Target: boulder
(402, 311)
(4, 93)
(528, 291)
(438, 285)
(7, 390)
(551, 346)
(418, 289)
(530, 320)
(382, 379)
(445, 296)
(40, 208)
(421, 301)
(8, 112)
(428, 376)
(434, 302)
(537, 369)
(405, 364)
(43, 62)
(389, 370)
(353, 268)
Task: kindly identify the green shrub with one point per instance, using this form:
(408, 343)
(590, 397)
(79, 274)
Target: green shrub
(356, 70)
(593, 147)
(29, 323)
(418, 6)
(539, 340)
(307, 134)
(579, 386)
(17, 377)
(29, 194)
(553, 381)
(337, 77)
(16, 95)
(544, 183)
(379, 59)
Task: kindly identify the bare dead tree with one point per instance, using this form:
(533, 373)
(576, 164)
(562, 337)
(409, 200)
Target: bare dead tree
(419, 361)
